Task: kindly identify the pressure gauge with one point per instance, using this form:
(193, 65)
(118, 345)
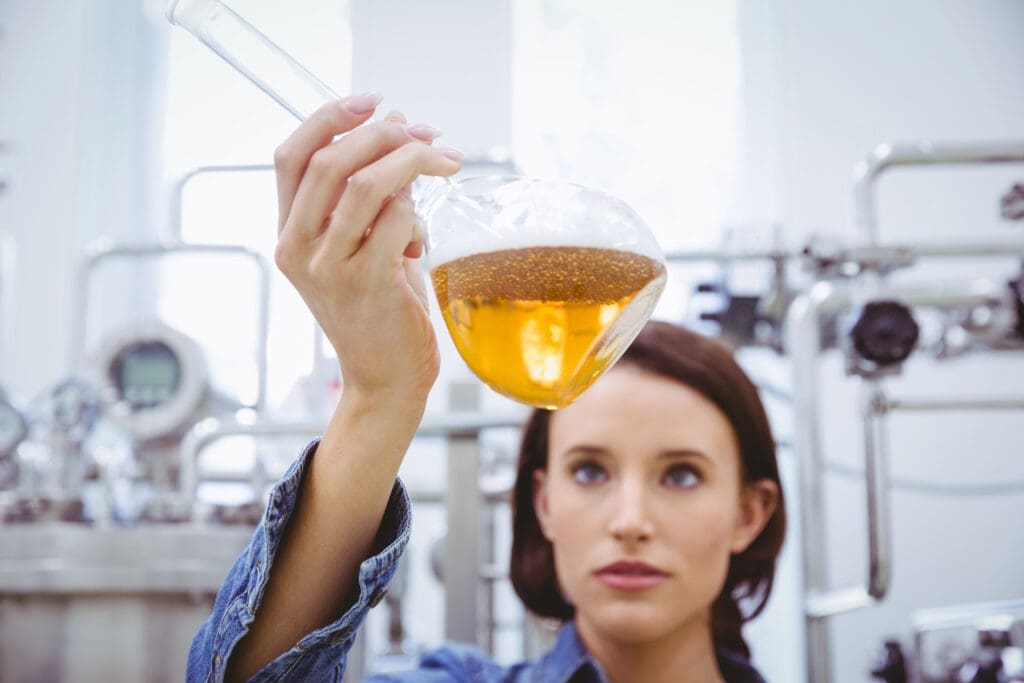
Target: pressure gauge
(154, 378)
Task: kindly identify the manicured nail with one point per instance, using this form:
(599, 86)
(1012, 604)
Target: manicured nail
(395, 115)
(424, 132)
(362, 104)
(453, 154)
(406, 192)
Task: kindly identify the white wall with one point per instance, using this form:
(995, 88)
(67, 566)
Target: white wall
(78, 87)
(827, 81)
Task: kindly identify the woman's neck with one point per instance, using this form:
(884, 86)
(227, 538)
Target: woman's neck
(686, 654)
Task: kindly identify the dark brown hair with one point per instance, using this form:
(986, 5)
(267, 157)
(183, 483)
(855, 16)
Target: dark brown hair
(708, 367)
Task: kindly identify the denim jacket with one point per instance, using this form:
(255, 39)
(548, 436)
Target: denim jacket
(321, 655)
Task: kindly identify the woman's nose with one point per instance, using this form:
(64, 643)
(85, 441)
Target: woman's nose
(630, 520)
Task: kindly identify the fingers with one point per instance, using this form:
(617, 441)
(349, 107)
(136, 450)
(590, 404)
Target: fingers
(370, 187)
(327, 122)
(394, 230)
(414, 249)
(326, 175)
(407, 190)
(414, 276)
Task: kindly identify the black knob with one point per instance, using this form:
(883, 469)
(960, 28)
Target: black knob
(890, 665)
(885, 333)
(1011, 206)
(1017, 291)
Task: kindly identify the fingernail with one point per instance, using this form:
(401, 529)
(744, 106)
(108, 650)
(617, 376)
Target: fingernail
(406, 192)
(453, 154)
(422, 131)
(395, 115)
(362, 104)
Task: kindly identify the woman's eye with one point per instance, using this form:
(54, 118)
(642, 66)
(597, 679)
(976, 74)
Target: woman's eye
(681, 477)
(588, 473)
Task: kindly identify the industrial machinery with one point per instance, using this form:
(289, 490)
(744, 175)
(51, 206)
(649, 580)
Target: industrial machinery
(846, 298)
(106, 569)
(971, 643)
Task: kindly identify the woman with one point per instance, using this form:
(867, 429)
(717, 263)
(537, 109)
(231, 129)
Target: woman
(646, 513)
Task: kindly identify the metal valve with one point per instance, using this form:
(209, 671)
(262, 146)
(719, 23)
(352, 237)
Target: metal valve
(1011, 206)
(884, 336)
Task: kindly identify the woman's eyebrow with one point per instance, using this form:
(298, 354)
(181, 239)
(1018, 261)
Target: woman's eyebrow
(685, 453)
(587, 449)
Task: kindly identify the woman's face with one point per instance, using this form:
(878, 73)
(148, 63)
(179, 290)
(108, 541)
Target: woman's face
(643, 502)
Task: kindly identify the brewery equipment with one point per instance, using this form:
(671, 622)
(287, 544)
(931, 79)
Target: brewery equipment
(13, 426)
(106, 567)
(846, 299)
(883, 336)
(825, 298)
(970, 643)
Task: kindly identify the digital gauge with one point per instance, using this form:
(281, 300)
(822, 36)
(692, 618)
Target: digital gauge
(147, 374)
(155, 379)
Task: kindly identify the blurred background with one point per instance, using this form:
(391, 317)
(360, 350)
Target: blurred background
(158, 374)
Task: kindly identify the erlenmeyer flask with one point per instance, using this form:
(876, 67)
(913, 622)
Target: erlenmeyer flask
(543, 284)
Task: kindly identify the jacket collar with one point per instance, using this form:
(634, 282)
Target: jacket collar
(568, 661)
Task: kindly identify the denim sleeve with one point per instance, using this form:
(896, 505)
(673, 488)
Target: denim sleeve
(320, 655)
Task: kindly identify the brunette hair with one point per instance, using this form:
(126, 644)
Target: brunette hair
(708, 367)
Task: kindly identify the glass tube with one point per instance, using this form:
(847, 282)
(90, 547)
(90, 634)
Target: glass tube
(252, 53)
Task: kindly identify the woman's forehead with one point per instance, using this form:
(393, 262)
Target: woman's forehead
(636, 408)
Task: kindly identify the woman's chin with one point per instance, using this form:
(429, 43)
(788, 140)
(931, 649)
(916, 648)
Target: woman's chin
(632, 622)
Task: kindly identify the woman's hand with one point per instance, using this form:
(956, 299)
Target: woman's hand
(348, 239)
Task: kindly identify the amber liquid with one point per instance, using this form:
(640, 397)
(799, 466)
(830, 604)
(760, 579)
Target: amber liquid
(541, 324)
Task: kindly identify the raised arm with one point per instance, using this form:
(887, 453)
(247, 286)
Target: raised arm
(348, 240)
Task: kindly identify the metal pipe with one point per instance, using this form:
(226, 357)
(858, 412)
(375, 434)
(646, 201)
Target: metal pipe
(102, 251)
(804, 346)
(876, 474)
(713, 255)
(8, 276)
(174, 222)
(173, 230)
(978, 403)
(213, 429)
(463, 604)
(969, 250)
(438, 497)
(889, 155)
(872, 252)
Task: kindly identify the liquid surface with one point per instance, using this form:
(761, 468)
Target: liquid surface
(541, 324)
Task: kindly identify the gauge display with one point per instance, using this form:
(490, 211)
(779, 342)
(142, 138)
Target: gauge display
(147, 374)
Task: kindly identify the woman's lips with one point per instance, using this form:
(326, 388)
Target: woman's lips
(631, 576)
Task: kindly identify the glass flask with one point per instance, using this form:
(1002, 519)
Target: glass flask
(543, 284)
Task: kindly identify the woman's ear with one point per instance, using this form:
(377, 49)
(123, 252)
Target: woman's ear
(757, 505)
(540, 501)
